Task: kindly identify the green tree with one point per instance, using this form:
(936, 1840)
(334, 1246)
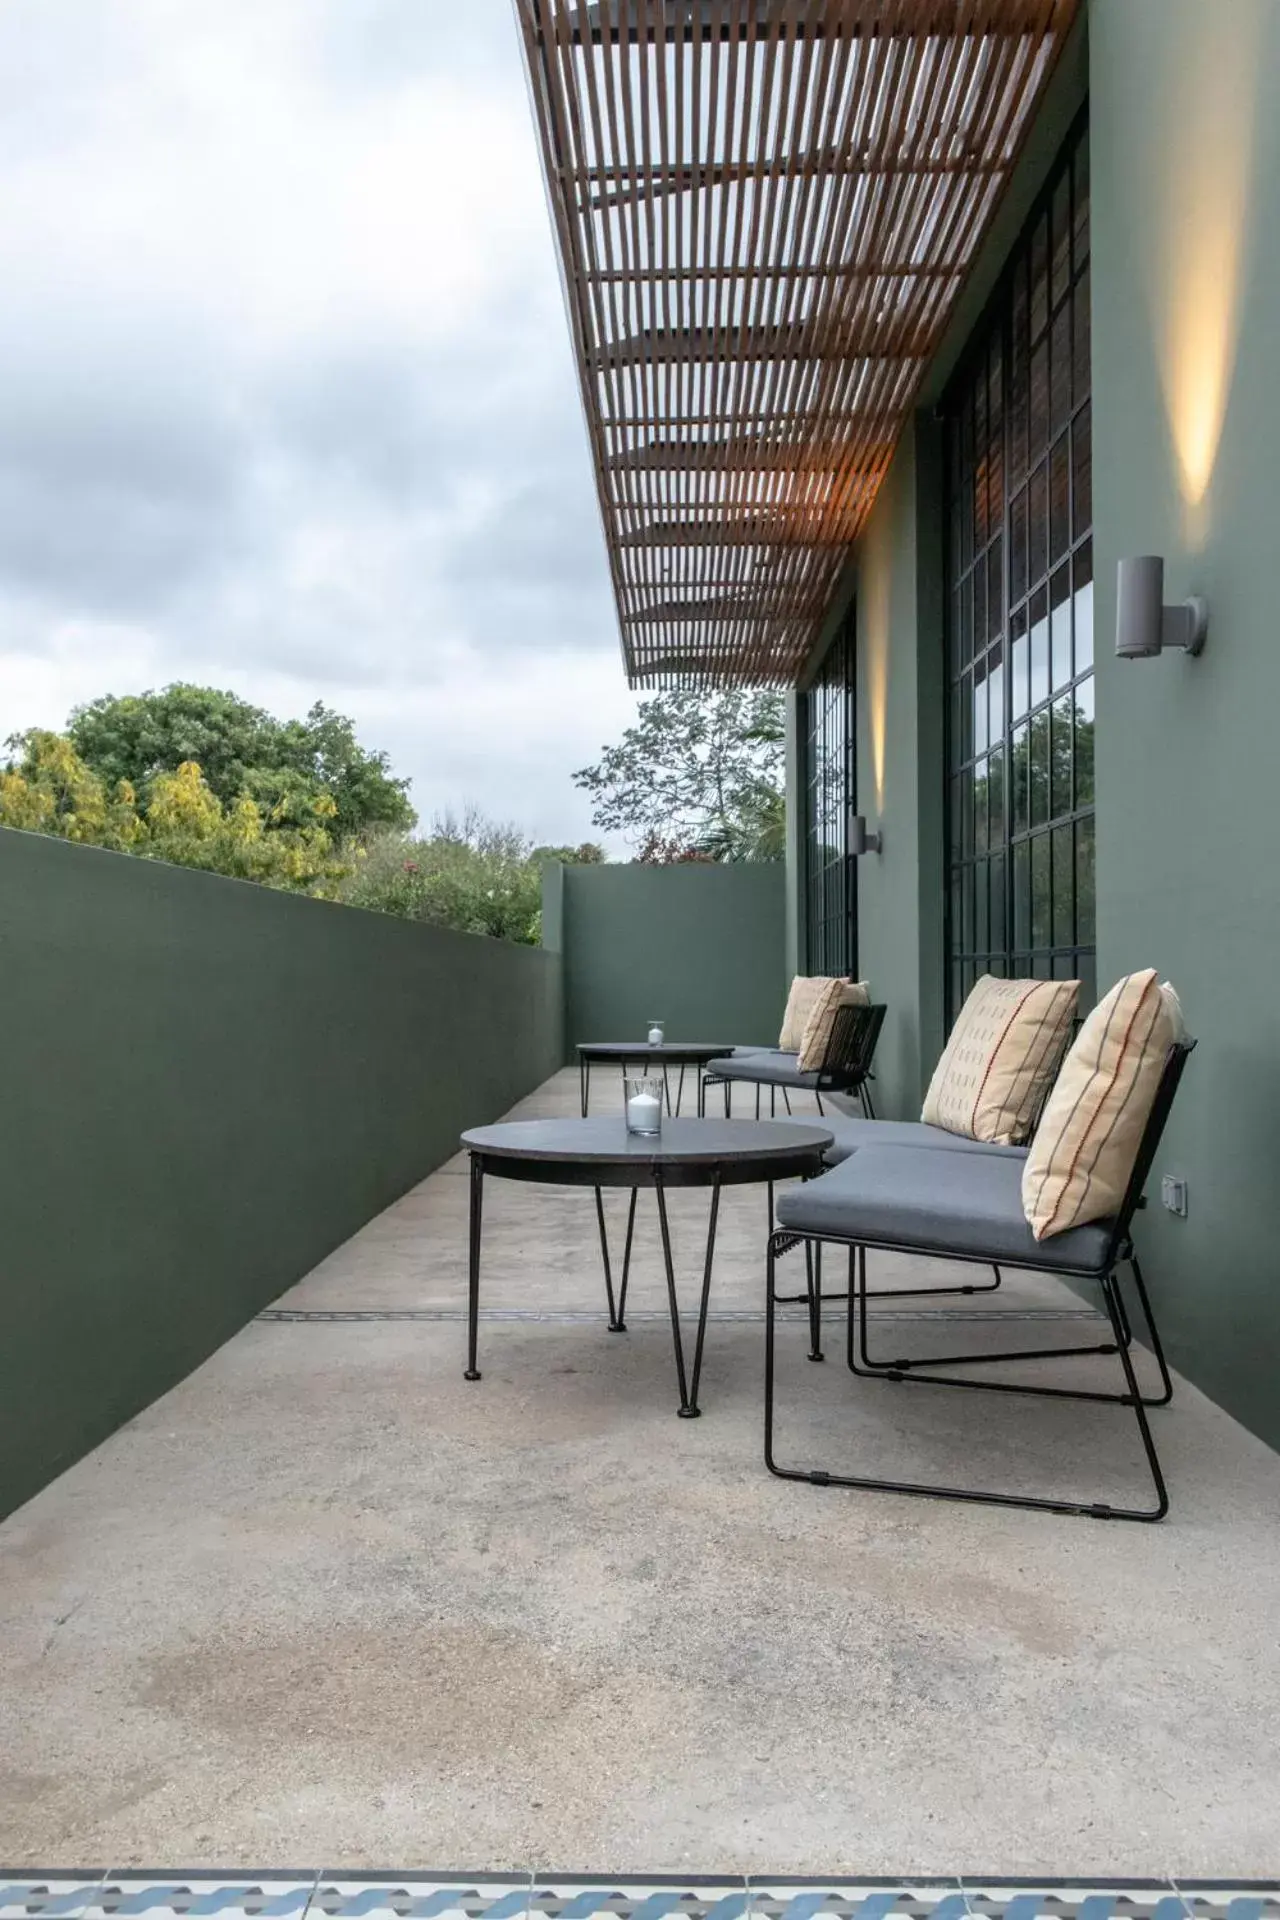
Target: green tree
(283, 765)
(49, 789)
(473, 874)
(701, 773)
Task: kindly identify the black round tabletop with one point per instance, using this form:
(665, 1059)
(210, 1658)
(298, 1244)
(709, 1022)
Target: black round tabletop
(600, 1152)
(640, 1049)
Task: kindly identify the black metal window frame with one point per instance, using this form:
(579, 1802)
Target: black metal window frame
(1019, 570)
(828, 765)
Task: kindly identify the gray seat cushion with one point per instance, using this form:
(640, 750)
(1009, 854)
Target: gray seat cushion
(967, 1205)
(852, 1133)
(767, 1067)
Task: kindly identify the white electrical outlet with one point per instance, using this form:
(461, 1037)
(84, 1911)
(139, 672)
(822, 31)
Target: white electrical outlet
(1173, 1194)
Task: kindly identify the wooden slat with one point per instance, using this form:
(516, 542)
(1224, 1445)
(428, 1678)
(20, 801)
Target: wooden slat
(765, 210)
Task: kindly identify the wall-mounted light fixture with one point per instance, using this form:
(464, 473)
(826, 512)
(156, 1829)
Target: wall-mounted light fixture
(860, 841)
(1144, 625)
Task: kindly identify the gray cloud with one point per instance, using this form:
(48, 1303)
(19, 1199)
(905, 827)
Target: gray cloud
(286, 398)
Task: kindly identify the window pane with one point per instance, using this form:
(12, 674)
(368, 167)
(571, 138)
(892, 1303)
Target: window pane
(1061, 276)
(1059, 501)
(1060, 375)
(1022, 895)
(1021, 783)
(1085, 883)
(980, 731)
(1039, 276)
(995, 797)
(1084, 608)
(965, 742)
(1039, 399)
(1038, 527)
(1081, 198)
(1039, 649)
(1018, 549)
(999, 930)
(980, 915)
(1040, 927)
(995, 588)
(1040, 768)
(995, 694)
(1060, 623)
(980, 807)
(979, 607)
(1080, 340)
(1084, 742)
(1063, 888)
(1060, 774)
(1082, 473)
(1019, 692)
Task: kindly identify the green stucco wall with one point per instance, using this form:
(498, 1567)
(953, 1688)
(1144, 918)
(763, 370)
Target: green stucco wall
(1186, 250)
(895, 584)
(701, 947)
(206, 1087)
(1186, 314)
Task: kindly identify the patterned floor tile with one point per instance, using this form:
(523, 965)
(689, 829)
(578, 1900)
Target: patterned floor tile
(1060, 1900)
(784, 1898)
(582, 1897)
(1249, 1901)
(231, 1896)
(26, 1895)
(382, 1896)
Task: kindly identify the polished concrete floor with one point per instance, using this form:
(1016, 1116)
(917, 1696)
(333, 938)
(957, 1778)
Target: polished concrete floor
(327, 1601)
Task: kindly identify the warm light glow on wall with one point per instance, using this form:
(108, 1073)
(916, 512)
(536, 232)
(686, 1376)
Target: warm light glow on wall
(1203, 203)
(874, 641)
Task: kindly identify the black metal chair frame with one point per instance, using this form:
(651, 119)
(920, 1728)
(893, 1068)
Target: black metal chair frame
(845, 1068)
(1119, 1250)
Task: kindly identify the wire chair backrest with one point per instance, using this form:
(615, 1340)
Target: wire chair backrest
(1174, 1062)
(852, 1045)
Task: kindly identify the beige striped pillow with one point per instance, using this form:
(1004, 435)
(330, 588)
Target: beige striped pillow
(1088, 1138)
(800, 1004)
(817, 1032)
(1002, 1055)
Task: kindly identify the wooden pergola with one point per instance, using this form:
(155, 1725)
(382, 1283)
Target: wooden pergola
(765, 210)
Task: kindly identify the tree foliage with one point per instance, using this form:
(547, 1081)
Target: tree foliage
(283, 765)
(472, 874)
(47, 788)
(696, 774)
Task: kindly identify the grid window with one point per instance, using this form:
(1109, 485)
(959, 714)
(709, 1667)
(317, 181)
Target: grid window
(828, 746)
(1020, 895)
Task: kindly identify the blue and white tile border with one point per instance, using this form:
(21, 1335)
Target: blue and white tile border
(324, 1894)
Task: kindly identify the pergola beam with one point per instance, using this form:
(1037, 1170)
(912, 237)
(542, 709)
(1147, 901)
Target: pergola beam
(765, 210)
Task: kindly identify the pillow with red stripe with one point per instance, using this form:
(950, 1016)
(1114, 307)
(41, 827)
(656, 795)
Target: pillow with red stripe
(1089, 1134)
(1004, 1051)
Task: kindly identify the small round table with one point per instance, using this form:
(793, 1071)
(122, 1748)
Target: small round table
(601, 1153)
(638, 1053)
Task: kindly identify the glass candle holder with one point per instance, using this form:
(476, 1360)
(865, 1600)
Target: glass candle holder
(655, 1033)
(643, 1095)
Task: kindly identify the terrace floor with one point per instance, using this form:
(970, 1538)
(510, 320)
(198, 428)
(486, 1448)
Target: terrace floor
(327, 1601)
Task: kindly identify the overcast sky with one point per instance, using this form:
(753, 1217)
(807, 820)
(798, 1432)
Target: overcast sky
(286, 397)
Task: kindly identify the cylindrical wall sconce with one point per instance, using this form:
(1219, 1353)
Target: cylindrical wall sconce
(1144, 625)
(860, 841)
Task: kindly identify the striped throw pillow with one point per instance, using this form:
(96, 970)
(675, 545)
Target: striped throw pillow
(816, 1037)
(1001, 1058)
(1088, 1138)
(800, 1004)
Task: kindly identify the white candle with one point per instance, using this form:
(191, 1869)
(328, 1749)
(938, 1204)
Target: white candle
(655, 1036)
(644, 1113)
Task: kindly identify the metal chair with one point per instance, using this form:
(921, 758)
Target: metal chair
(846, 1066)
(1095, 1256)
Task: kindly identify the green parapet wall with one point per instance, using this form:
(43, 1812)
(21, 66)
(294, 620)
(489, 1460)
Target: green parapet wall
(207, 1086)
(700, 947)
